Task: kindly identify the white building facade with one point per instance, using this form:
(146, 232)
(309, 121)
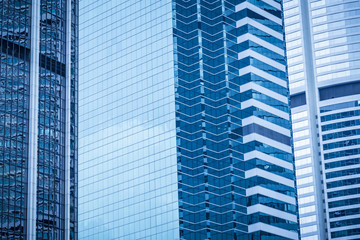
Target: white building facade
(323, 50)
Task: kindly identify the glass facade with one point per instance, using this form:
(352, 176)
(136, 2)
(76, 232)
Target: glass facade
(73, 93)
(51, 135)
(14, 116)
(232, 119)
(127, 132)
(184, 118)
(340, 146)
(326, 117)
(36, 81)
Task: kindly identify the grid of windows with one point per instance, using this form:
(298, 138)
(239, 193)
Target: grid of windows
(177, 100)
(177, 158)
(74, 91)
(330, 30)
(336, 31)
(294, 44)
(342, 171)
(51, 137)
(14, 110)
(14, 104)
(127, 148)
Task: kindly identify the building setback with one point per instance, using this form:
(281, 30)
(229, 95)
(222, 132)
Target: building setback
(323, 45)
(184, 116)
(38, 119)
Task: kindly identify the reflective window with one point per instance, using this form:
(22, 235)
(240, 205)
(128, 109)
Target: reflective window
(314, 237)
(303, 171)
(300, 124)
(302, 152)
(301, 133)
(305, 190)
(308, 229)
(308, 219)
(299, 115)
(297, 84)
(301, 162)
(301, 143)
(14, 115)
(303, 210)
(305, 180)
(128, 183)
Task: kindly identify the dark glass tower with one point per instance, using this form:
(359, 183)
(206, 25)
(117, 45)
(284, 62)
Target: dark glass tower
(38, 112)
(232, 103)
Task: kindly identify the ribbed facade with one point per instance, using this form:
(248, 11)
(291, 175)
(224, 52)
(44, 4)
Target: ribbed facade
(185, 128)
(323, 57)
(38, 119)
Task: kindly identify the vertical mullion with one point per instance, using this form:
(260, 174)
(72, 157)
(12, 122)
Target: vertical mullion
(67, 117)
(33, 121)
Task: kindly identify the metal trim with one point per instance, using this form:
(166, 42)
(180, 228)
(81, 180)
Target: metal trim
(33, 122)
(67, 119)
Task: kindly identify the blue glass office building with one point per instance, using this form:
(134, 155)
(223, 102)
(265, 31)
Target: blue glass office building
(184, 119)
(38, 119)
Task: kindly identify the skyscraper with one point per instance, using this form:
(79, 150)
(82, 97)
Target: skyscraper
(38, 119)
(184, 119)
(323, 42)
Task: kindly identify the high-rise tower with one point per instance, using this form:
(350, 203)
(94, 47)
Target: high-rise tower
(38, 119)
(323, 42)
(184, 118)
